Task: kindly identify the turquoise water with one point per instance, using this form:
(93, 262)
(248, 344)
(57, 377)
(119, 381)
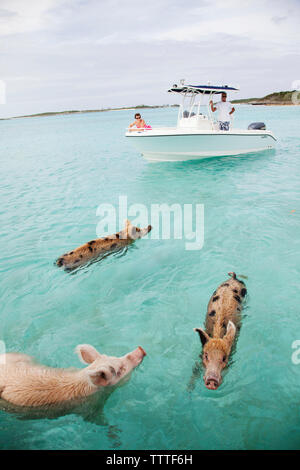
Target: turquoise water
(55, 172)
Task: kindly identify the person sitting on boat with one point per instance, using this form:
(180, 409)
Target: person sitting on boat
(225, 109)
(139, 123)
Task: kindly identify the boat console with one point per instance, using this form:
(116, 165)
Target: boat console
(195, 121)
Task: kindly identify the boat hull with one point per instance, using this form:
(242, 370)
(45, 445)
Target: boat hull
(156, 146)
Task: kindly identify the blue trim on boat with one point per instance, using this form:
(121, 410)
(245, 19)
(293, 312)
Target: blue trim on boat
(205, 89)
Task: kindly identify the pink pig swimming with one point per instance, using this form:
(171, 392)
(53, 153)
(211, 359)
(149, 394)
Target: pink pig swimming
(24, 383)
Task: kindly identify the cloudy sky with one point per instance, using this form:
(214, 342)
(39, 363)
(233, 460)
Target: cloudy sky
(87, 54)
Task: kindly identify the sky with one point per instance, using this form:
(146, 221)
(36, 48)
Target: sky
(60, 55)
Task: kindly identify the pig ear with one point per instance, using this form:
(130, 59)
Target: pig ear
(99, 378)
(87, 353)
(127, 227)
(128, 224)
(203, 335)
(132, 231)
(230, 332)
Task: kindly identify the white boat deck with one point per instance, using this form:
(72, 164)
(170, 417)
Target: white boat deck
(170, 131)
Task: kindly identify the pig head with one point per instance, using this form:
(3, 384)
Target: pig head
(102, 370)
(215, 355)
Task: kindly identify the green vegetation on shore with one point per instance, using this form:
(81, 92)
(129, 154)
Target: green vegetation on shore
(277, 98)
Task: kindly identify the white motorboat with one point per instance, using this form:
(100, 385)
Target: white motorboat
(197, 134)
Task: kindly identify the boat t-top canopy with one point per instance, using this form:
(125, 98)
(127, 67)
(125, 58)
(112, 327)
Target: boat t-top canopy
(201, 89)
(192, 97)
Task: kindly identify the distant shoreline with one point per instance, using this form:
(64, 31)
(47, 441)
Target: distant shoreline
(83, 111)
(262, 103)
(282, 98)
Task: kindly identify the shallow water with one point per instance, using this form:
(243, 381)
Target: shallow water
(55, 171)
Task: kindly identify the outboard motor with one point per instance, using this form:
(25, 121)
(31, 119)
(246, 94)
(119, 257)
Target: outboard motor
(257, 126)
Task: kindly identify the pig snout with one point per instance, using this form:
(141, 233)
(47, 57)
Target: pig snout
(212, 381)
(142, 351)
(136, 356)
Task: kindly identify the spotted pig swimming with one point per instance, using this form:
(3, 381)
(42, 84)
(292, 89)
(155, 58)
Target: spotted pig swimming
(101, 246)
(222, 321)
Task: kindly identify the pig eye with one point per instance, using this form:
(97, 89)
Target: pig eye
(206, 356)
(122, 368)
(224, 358)
(112, 370)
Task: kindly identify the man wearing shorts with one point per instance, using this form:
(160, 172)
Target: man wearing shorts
(225, 109)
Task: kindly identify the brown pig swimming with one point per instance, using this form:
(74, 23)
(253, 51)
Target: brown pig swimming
(101, 246)
(222, 320)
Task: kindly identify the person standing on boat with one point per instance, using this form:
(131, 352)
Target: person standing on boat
(225, 109)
